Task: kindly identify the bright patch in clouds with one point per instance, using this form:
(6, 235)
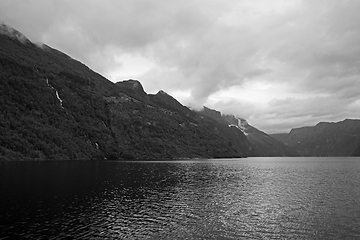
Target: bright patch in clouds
(266, 6)
(279, 63)
(129, 66)
(257, 92)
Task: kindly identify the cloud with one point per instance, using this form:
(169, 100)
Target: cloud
(295, 61)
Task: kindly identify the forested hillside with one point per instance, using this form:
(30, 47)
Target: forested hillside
(325, 139)
(54, 107)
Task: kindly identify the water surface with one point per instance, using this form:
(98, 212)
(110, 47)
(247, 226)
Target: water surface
(254, 198)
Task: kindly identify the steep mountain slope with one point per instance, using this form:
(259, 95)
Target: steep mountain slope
(356, 153)
(54, 107)
(261, 144)
(134, 89)
(46, 98)
(324, 139)
(166, 101)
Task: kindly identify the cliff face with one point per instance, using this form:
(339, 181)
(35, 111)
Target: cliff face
(324, 139)
(54, 107)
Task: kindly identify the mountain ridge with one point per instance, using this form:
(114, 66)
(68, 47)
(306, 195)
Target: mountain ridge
(324, 139)
(55, 108)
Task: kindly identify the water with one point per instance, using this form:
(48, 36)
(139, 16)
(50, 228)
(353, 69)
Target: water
(254, 198)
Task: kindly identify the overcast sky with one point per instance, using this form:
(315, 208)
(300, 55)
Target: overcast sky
(279, 64)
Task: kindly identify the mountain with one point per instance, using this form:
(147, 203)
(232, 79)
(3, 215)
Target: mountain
(13, 33)
(325, 139)
(133, 88)
(261, 144)
(166, 101)
(356, 153)
(53, 107)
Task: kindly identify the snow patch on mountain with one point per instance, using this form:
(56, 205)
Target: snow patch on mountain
(241, 124)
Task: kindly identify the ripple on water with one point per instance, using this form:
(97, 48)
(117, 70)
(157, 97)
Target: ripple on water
(194, 200)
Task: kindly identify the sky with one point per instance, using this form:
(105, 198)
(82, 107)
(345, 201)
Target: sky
(280, 64)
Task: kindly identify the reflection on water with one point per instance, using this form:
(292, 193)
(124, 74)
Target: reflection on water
(255, 198)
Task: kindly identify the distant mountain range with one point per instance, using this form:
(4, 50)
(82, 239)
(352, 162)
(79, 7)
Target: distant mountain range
(325, 139)
(56, 108)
